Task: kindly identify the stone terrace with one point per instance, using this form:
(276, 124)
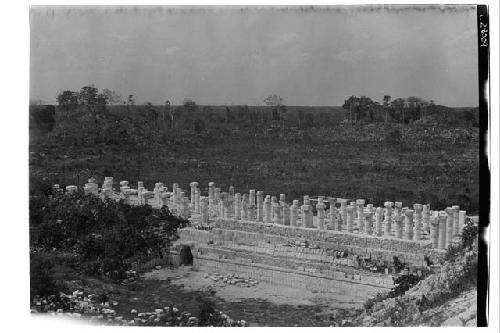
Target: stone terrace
(324, 244)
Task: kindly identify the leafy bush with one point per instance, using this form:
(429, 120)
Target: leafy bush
(398, 265)
(402, 284)
(107, 236)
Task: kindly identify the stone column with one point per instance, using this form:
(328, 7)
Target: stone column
(237, 206)
(343, 212)
(194, 186)
(320, 208)
(279, 215)
(399, 225)
(294, 213)
(274, 208)
(461, 220)
(260, 206)
(125, 194)
(442, 230)
(418, 221)
(71, 189)
(217, 193)
(434, 232)
(368, 213)
(282, 199)
(409, 224)
(251, 197)
(91, 188)
(122, 189)
(197, 194)
(286, 214)
(398, 208)
(354, 212)
(456, 218)
(379, 217)
(164, 199)
(175, 188)
(204, 211)
(360, 203)
(211, 195)
(332, 214)
(244, 207)
(123, 183)
(349, 218)
(309, 217)
(185, 211)
(180, 199)
(146, 195)
(267, 209)
(252, 212)
(223, 205)
(449, 226)
(398, 218)
(306, 211)
(426, 214)
(161, 190)
(230, 201)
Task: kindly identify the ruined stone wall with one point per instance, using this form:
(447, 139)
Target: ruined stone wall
(352, 285)
(320, 247)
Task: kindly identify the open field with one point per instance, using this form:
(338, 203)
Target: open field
(426, 163)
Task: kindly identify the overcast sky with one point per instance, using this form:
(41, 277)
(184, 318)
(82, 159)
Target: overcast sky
(234, 56)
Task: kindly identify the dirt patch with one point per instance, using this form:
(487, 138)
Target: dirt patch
(193, 280)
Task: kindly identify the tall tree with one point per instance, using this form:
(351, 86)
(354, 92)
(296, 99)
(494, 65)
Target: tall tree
(387, 101)
(399, 105)
(88, 96)
(352, 104)
(68, 100)
(276, 102)
(130, 102)
(112, 97)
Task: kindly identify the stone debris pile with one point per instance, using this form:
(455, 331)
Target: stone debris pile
(78, 305)
(232, 279)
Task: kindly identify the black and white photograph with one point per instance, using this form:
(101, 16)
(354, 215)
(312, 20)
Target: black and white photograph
(259, 165)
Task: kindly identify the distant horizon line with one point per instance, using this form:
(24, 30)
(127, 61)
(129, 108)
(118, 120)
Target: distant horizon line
(249, 105)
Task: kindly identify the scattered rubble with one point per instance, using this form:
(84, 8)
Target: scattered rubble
(232, 279)
(78, 305)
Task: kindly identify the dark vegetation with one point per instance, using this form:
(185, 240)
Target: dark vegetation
(98, 238)
(458, 273)
(430, 157)
(405, 150)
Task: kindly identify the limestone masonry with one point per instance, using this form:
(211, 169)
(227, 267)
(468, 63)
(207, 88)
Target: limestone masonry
(321, 243)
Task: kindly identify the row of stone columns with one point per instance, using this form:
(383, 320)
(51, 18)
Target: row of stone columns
(408, 223)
